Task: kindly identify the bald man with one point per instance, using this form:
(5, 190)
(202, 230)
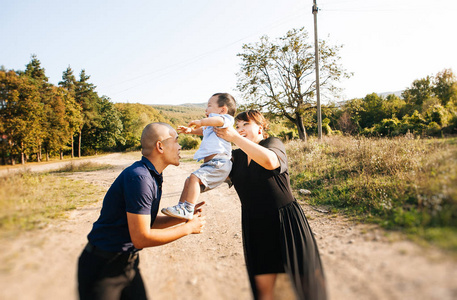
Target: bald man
(128, 222)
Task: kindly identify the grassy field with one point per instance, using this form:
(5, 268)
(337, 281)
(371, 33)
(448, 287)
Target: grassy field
(402, 184)
(30, 200)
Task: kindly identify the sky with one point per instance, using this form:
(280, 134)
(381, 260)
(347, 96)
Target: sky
(175, 52)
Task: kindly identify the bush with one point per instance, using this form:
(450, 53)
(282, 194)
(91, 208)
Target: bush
(287, 135)
(433, 129)
(189, 142)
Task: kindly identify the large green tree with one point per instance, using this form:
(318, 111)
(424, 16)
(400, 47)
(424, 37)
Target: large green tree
(37, 76)
(88, 99)
(445, 87)
(135, 117)
(279, 75)
(107, 132)
(73, 109)
(20, 115)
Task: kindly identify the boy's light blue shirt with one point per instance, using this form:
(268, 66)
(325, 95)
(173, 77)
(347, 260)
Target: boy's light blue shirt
(211, 144)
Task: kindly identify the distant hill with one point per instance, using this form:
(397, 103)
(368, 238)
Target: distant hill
(382, 95)
(181, 114)
(202, 105)
(385, 94)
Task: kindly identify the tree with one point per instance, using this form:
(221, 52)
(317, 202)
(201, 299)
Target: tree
(73, 110)
(107, 133)
(34, 71)
(20, 114)
(135, 117)
(87, 98)
(278, 76)
(445, 87)
(37, 76)
(418, 93)
(373, 111)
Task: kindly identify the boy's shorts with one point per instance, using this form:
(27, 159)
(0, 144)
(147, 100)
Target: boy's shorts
(214, 172)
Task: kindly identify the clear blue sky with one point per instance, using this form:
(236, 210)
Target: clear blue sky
(174, 52)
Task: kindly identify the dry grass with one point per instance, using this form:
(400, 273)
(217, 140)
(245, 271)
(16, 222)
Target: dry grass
(402, 183)
(30, 200)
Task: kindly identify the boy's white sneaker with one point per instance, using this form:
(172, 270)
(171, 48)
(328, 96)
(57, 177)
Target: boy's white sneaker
(178, 211)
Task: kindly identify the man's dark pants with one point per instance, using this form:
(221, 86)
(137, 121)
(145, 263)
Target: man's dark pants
(107, 276)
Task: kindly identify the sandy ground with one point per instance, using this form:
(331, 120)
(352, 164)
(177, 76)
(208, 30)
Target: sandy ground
(360, 261)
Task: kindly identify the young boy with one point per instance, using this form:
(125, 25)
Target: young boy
(215, 153)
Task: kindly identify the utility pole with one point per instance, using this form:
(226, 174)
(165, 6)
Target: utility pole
(316, 57)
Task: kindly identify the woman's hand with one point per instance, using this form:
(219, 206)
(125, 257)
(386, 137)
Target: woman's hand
(229, 133)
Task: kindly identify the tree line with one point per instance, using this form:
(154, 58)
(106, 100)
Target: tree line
(277, 76)
(38, 118)
(427, 108)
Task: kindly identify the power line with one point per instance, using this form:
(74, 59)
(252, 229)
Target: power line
(192, 60)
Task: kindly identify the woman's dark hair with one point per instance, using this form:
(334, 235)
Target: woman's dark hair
(227, 100)
(257, 117)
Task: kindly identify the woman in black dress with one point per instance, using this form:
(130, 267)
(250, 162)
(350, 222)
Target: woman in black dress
(276, 234)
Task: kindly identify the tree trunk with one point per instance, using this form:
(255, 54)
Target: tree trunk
(3, 157)
(47, 155)
(79, 143)
(301, 128)
(22, 154)
(73, 146)
(61, 154)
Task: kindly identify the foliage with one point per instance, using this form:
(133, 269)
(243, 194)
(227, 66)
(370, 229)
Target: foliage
(400, 183)
(134, 118)
(182, 114)
(427, 108)
(189, 142)
(36, 115)
(279, 76)
(21, 114)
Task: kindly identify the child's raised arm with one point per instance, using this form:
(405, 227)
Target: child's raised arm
(211, 121)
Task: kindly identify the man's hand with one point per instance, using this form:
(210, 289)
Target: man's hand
(197, 223)
(184, 129)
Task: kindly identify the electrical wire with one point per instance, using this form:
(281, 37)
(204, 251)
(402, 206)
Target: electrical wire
(182, 64)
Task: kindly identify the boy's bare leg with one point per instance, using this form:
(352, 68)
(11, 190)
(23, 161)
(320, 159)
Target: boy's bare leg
(189, 196)
(193, 189)
(183, 197)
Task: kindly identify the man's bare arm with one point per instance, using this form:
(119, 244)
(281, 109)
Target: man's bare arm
(143, 236)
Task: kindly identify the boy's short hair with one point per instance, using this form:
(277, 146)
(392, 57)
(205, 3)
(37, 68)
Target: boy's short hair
(227, 100)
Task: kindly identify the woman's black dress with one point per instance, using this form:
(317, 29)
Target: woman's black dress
(276, 235)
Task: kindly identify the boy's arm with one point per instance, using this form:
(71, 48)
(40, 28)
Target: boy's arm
(211, 121)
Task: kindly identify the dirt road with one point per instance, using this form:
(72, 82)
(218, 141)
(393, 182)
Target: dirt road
(360, 261)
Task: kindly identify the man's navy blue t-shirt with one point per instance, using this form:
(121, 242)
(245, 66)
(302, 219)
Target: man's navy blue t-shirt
(136, 190)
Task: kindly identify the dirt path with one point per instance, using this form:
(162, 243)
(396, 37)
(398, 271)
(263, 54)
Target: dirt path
(360, 261)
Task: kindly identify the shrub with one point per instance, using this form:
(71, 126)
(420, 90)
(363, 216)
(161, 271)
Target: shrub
(189, 142)
(433, 129)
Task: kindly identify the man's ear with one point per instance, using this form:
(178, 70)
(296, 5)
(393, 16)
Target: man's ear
(159, 146)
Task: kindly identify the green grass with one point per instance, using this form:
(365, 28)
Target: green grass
(402, 184)
(83, 167)
(31, 200)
